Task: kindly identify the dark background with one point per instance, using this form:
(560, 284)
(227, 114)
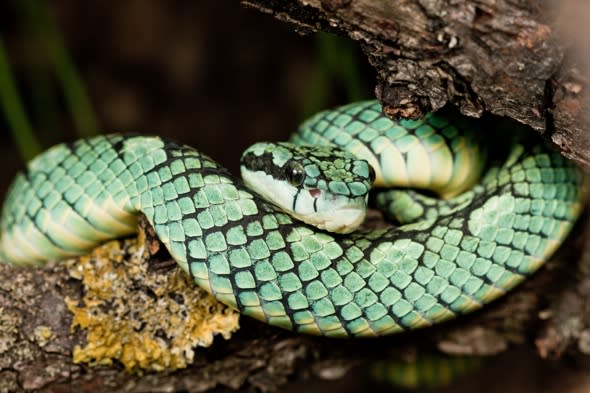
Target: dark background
(215, 76)
(211, 74)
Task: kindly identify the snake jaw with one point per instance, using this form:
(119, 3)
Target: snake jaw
(331, 212)
(339, 221)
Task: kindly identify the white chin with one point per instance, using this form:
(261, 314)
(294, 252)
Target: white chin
(339, 221)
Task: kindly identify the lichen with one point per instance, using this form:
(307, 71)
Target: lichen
(43, 334)
(147, 321)
(8, 330)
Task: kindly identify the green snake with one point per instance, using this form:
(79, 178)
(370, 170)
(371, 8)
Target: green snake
(450, 256)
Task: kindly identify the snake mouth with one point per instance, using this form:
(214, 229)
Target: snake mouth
(342, 220)
(334, 213)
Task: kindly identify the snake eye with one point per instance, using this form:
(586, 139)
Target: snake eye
(294, 173)
(371, 174)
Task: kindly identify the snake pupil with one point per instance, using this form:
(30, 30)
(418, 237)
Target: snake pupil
(372, 175)
(294, 173)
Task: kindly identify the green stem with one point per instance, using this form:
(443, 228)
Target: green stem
(12, 106)
(73, 88)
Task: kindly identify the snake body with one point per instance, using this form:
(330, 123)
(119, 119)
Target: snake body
(256, 258)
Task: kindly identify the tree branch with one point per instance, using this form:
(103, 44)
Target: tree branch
(37, 343)
(502, 57)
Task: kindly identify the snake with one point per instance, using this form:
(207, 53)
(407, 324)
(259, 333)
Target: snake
(473, 235)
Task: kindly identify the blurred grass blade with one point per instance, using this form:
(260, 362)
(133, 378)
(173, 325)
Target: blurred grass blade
(45, 111)
(317, 94)
(326, 53)
(342, 63)
(348, 70)
(73, 88)
(336, 65)
(12, 106)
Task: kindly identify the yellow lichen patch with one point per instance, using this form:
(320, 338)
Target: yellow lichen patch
(147, 321)
(43, 334)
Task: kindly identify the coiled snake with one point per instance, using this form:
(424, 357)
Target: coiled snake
(455, 255)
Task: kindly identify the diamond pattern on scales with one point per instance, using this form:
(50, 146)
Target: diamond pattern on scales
(258, 259)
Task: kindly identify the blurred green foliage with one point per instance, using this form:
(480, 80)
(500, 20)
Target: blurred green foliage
(14, 111)
(44, 46)
(33, 100)
(337, 68)
(426, 372)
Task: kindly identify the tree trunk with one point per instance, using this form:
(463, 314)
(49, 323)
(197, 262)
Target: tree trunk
(498, 57)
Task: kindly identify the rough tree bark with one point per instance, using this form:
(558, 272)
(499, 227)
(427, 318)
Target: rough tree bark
(499, 57)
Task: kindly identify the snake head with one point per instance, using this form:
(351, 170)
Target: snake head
(322, 186)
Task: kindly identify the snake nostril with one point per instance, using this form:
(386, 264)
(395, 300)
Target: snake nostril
(314, 192)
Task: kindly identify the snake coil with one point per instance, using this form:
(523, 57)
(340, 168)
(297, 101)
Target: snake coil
(258, 259)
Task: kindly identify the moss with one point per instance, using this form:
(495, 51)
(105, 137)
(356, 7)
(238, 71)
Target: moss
(147, 321)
